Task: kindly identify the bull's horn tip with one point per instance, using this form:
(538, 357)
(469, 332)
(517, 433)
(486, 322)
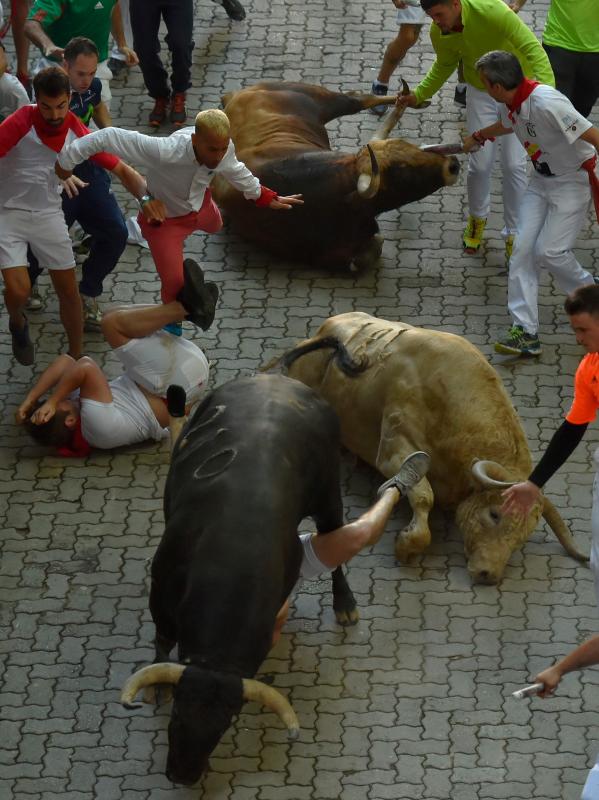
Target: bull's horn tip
(133, 706)
(293, 734)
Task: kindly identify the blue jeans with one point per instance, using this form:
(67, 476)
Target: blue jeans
(98, 213)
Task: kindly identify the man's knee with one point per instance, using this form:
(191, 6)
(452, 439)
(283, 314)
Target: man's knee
(110, 325)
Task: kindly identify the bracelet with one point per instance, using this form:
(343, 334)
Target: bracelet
(479, 138)
(147, 198)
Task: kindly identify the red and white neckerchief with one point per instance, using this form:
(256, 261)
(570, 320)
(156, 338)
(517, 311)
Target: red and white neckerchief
(524, 90)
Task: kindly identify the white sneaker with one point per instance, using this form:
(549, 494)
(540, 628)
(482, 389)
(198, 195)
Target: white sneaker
(92, 316)
(413, 469)
(35, 302)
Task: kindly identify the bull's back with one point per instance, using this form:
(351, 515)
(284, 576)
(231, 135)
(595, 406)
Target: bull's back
(448, 398)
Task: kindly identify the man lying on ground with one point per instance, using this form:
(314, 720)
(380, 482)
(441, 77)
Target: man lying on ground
(84, 410)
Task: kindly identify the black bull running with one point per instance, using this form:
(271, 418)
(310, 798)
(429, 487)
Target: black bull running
(259, 455)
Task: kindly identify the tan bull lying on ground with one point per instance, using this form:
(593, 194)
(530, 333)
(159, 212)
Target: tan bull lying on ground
(397, 389)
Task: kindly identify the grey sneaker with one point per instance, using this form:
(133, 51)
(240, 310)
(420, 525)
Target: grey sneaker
(519, 343)
(413, 469)
(380, 90)
(92, 316)
(35, 302)
(22, 346)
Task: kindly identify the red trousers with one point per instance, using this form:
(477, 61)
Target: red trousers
(166, 242)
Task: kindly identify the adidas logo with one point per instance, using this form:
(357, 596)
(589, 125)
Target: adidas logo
(98, 5)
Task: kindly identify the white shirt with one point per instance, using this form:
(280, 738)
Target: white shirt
(12, 95)
(173, 175)
(549, 128)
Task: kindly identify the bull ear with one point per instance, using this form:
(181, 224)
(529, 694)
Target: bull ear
(481, 470)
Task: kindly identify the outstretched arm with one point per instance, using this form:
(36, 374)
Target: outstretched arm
(585, 655)
(35, 32)
(129, 145)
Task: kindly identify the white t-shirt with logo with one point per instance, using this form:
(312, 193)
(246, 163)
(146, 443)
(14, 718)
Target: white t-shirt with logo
(549, 128)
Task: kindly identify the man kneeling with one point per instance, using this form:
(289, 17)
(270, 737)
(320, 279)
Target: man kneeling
(85, 410)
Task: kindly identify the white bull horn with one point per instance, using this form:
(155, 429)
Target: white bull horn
(479, 470)
(273, 700)
(368, 185)
(148, 676)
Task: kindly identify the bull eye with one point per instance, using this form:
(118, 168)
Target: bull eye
(495, 516)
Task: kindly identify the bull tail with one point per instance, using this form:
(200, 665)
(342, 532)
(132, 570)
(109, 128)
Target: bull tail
(342, 356)
(559, 527)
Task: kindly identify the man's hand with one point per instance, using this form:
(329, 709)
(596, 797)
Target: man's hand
(154, 210)
(516, 5)
(72, 185)
(470, 145)
(520, 498)
(406, 100)
(131, 57)
(286, 203)
(44, 413)
(550, 679)
(54, 53)
(24, 411)
(400, 4)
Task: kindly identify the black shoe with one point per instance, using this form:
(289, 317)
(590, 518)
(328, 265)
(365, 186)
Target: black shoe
(197, 297)
(22, 346)
(234, 9)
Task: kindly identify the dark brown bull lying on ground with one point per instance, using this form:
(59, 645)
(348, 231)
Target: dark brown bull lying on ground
(257, 457)
(429, 390)
(279, 132)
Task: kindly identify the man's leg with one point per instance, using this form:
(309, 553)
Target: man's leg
(568, 198)
(166, 245)
(563, 64)
(586, 90)
(396, 51)
(17, 288)
(178, 18)
(514, 180)
(71, 312)
(122, 324)
(20, 10)
(145, 23)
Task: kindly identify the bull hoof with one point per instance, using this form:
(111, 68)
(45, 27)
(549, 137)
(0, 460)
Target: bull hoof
(409, 544)
(347, 617)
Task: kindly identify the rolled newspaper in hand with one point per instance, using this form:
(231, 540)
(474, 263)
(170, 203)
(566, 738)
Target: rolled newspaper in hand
(527, 691)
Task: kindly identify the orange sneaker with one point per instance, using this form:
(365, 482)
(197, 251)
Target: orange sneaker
(178, 110)
(158, 113)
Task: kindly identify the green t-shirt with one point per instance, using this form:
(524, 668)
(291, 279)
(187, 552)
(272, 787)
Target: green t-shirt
(573, 25)
(64, 19)
(487, 25)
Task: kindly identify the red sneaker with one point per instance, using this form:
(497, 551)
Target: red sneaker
(158, 113)
(178, 110)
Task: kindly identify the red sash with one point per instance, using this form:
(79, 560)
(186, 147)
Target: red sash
(78, 447)
(523, 91)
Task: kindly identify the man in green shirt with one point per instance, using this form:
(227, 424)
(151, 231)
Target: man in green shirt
(53, 23)
(571, 39)
(467, 29)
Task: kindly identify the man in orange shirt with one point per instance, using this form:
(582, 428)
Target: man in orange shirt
(582, 306)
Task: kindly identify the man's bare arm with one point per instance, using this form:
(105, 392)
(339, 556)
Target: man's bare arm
(133, 182)
(84, 375)
(35, 32)
(47, 380)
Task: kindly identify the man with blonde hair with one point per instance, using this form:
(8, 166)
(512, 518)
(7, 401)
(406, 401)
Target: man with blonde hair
(179, 169)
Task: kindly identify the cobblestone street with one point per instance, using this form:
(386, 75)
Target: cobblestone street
(415, 700)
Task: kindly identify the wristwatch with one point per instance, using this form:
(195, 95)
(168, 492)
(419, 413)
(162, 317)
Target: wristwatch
(145, 199)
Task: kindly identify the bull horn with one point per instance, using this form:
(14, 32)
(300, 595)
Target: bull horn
(175, 403)
(274, 701)
(368, 185)
(148, 676)
(479, 470)
(390, 121)
(559, 527)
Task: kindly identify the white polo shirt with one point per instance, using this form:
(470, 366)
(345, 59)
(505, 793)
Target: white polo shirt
(549, 128)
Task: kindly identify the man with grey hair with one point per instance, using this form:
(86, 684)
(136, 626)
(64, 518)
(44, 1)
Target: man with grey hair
(562, 145)
(179, 170)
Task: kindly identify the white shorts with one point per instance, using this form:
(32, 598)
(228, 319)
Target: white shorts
(157, 361)
(412, 15)
(44, 231)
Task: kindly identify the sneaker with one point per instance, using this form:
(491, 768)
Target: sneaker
(35, 302)
(81, 249)
(92, 316)
(117, 66)
(459, 96)
(174, 328)
(413, 469)
(509, 247)
(22, 346)
(234, 9)
(380, 90)
(158, 113)
(519, 343)
(197, 296)
(178, 111)
(473, 234)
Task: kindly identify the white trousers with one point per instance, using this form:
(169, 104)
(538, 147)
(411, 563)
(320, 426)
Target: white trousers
(552, 212)
(590, 790)
(482, 111)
